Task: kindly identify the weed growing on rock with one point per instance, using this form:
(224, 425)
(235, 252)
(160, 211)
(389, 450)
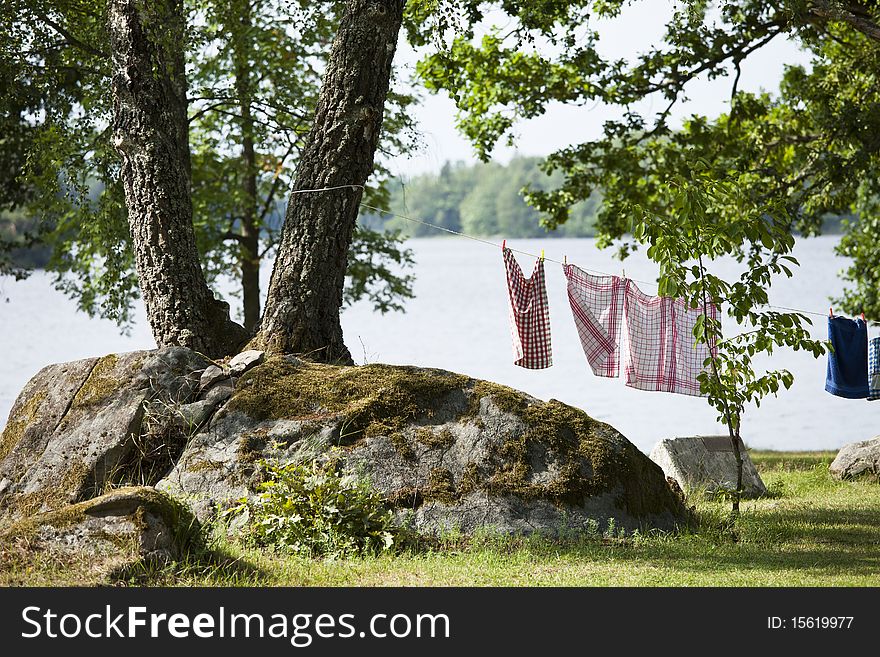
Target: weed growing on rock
(313, 510)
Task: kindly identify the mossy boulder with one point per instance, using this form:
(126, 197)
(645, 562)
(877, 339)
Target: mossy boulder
(113, 531)
(448, 451)
(78, 427)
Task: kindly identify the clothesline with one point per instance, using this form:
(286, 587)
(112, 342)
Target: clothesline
(495, 244)
(526, 253)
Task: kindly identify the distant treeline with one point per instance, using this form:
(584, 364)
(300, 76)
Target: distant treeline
(480, 199)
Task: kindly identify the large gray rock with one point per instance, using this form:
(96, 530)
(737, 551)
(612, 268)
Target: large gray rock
(77, 427)
(706, 463)
(857, 460)
(112, 531)
(446, 450)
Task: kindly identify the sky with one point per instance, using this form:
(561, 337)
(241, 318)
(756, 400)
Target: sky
(639, 27)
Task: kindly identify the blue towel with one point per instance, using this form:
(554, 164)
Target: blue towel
(848, 363)
(874, 370)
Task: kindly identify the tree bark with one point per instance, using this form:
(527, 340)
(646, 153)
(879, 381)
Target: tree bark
(249, 244)
(150, 131)
(305, 292)
(854, 14)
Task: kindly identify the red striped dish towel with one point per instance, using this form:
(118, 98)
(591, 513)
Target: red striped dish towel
(529, 315)
(660, 333)
(597, 306)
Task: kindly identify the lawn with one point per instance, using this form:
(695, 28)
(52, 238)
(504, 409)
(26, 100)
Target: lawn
(811, 531)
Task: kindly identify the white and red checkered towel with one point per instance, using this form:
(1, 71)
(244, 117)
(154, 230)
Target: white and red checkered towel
(529, 315)
(597, 304)
(660, 334)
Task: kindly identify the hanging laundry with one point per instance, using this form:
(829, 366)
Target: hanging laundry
(662, 355)
(597, 306)
(529, 314)
(847, 373)
(874, 370)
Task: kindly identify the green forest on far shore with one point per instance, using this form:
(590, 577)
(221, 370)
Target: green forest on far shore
(482, 199)
(479, 199)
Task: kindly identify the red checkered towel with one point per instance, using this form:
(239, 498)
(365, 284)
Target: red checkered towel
(529, 315)
(660, 333)
(597, 303)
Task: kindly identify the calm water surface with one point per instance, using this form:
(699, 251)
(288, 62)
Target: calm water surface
(458, 321)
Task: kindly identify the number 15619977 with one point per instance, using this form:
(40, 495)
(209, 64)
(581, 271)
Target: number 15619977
(809, 622)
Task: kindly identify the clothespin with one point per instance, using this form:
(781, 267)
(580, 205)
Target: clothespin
(565, 260)
(542, 254)
(831, 312)
(503, 244)
(863, 318)
(624, 273)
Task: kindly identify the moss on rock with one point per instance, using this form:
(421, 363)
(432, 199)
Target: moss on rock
(250, 448)
(614, 464)
(435, 439)
(133, 502)
(567, 431)
(70, 487)
(401, 444)
(441, 487)
(99, 385)
(16, 426)
(373, 399)
(204, 465)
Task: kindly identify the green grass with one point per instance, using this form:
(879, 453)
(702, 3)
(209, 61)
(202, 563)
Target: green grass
(811, 531)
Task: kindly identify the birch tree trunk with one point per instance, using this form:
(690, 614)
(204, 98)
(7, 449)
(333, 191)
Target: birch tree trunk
(305, 292)
(150, 130)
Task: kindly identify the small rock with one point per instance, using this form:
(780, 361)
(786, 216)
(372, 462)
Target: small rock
(194, 415)
(245, 361)
(117, 529)
(707, 463)
(857, 459)
(220, 393)
(212, 375)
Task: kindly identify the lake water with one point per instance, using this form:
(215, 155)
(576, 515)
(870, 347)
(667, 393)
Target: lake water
(458, 321)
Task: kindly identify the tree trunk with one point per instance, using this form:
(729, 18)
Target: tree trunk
(305, 292)
(737, 441)
(249, 257)
(737, 494)
(150, 130)
(249, 242)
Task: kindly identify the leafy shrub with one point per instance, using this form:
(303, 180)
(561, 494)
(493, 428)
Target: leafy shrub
(314, 510)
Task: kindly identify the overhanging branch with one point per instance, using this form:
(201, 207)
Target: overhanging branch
(851, 14)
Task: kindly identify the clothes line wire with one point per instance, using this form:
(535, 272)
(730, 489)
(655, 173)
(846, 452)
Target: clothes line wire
(526, 253)
(494, 244)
